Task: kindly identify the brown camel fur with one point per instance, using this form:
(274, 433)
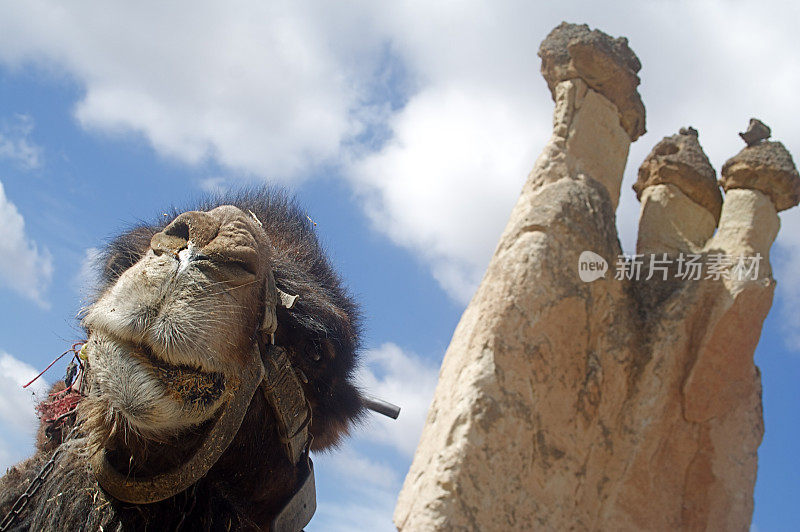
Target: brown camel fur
(185, 296)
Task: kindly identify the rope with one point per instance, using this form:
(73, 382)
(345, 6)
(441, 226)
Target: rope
(72, 349)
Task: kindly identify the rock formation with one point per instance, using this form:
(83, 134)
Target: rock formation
(756, 132)
(681, 201)
(630, 402)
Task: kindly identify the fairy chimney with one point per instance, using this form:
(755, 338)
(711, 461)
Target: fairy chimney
(582, 390)
(677, 178)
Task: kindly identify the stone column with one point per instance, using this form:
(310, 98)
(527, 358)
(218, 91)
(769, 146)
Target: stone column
(694, 416)
(722, 387)
(759, 181)
(510, 428)
(681, 201)
(623, 403)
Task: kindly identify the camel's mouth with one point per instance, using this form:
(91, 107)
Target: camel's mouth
(155, 397)
(193, 386)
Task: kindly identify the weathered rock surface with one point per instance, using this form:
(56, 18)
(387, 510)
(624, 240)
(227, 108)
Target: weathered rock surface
(756, 132)
(580, 117)
(617, 404)
(607, 65)
(679, 160)
(767, 167)
(680, 196)
(670, 222)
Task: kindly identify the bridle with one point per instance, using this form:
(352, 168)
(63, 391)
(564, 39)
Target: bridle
(278, 382)
(146, 490)
(268, 369)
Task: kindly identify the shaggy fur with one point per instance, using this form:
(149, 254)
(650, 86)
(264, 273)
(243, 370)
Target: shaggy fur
(253, 478)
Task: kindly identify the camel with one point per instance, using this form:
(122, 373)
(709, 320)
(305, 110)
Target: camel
(220, 349)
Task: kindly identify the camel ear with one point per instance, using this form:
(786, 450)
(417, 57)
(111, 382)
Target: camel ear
(270, 320)
(286, 300)
(273, 296)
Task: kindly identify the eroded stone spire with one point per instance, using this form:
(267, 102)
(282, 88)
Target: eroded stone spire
(681, 200)
(606, 64)
(592, 79)
(500, 449)
(759, 181)
(679, 160)
(626, 399)
(768, 167)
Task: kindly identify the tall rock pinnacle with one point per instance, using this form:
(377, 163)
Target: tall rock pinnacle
(607, 65)
(677, 177)
(583, 390)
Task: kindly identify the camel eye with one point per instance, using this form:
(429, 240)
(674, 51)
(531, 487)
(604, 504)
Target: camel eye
(241, 257)
(246, 266)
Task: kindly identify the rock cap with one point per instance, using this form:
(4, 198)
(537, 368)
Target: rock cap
(606, 64)
(680, 160)
(767, 167)
(756, 132)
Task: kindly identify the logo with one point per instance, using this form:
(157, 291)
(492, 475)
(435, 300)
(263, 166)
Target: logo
(662, 267)
(591, 266)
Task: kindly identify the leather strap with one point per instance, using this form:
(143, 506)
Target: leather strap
(300, 508)
(146, 490)
(270, 369)
(284, 393)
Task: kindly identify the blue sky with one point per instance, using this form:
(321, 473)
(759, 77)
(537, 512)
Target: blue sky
(406, 130)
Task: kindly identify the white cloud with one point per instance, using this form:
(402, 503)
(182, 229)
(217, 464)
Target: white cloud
(360, 470)
(266, 88)
(280, 90)
(16, 144)
(405, 380)
(24, 268)
(445, 184)
(365, 492)
(365, 495)
(88, 277)
(367, 483)
(18, 421)
(373, 514)
(214, 185)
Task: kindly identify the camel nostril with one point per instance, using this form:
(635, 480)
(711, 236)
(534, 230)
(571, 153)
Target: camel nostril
(197, 227)
(178, 228)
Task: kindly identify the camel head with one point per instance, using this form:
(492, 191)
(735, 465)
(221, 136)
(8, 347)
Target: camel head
(173, 331)
(221, 348)
(176, 328)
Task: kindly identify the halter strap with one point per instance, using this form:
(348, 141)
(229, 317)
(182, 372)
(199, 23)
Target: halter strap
(284, 394)
(300, 508)
(146, 490)
(269, 368)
